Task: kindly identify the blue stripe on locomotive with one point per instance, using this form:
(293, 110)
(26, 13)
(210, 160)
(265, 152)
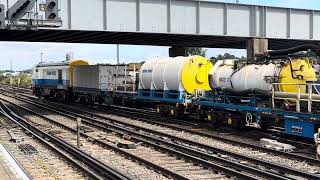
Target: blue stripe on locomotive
(50, 82)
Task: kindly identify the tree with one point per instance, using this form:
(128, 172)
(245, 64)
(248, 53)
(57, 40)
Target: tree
(190, 51)
(229, 56)
(214, 60)
(226, 56)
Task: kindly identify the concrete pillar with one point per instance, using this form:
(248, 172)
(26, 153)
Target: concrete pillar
(254, 46)
(177, 51)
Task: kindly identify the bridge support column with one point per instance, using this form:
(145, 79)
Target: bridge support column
(177, 51)
(254, 46)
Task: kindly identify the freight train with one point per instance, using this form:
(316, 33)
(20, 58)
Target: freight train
(278, 88)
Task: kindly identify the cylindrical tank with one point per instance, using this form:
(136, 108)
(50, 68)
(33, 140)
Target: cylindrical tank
(158, 73)
(173, 72)
(254, 77)
(222, 72)
(146, 71)
(179, 74)
(261, 76)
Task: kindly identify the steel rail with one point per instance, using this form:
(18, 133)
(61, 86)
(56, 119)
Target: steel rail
(234, 171)
(107, 126)
(147, 163)
(103, 170)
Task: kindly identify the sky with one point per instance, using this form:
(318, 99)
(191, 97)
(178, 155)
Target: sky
(25, 55)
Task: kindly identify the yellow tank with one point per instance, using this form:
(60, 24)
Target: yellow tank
(195, 74)
(75, 63)
(297, 71)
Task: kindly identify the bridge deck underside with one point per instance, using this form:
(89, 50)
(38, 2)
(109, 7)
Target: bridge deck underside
(158, 39)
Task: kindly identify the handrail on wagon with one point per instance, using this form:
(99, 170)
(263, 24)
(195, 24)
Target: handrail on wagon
(310, 96)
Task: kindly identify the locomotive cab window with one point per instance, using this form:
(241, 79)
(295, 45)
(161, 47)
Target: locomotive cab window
(51, 73)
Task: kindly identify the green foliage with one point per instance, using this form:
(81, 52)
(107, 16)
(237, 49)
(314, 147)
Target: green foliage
(23, 80)
(225, 56)
(190, 51)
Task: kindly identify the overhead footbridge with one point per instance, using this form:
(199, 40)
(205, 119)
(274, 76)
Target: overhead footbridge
(174, 23)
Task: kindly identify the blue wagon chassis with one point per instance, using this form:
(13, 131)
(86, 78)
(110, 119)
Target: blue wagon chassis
(296, 123)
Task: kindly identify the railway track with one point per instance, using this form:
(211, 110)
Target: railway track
(179, 168)
(304, 148)
(90, 166)
(194, 148)
(17, 89)
(191, 123)
(203, 129)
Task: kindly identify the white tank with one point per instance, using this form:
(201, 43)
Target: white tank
(172, 74)
(146, 73)
(221, 73)
(162, 74)
(248, 77)
(177, 74)
(158, 73)
(254, 77)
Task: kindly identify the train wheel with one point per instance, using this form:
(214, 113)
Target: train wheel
(66, 99)
(72, 98)
(100, 101)
(164, 110)
(173, 111)
(234, 120)
(90, 101)
(201, 115)
(45, 97)
(264, 124)
(176, 112)
(83, 100)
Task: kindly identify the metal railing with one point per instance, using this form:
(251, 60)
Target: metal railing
(308, 96)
